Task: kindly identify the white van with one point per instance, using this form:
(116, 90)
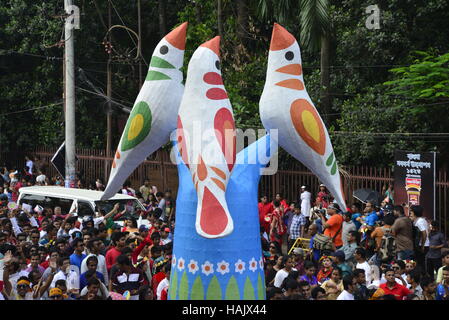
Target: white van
(87, 202)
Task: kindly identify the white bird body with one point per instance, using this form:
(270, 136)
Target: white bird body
(206, 139)
(153, 116)
(286, 106)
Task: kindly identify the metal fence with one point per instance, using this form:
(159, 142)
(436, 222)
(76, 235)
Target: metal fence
(94, 164)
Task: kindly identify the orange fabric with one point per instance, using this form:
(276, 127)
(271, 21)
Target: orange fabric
(177, 37)
(335, 223)
(281, 38)
(213, 45)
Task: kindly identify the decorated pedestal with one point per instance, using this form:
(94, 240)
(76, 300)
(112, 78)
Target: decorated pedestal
(223, 268)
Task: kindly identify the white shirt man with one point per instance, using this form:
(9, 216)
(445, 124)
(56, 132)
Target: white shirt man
(422, 225)
(345, 295)
(41, 178)
(365, 266)
(101, 267)
(71, 278)
(305, 202)
(30, 164)
(280, 276)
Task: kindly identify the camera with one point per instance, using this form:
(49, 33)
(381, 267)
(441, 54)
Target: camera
(322, 211)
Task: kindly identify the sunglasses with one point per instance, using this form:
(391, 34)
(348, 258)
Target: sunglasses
(55, 297)
(22, 286)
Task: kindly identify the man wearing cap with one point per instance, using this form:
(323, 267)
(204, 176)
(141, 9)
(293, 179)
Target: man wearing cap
(338, 257)
(333, 225)
(143, 231)
(164, 236)
(55, 294)
(305, 199)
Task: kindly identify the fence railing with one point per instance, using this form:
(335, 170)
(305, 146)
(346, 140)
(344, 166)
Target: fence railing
(94, 164)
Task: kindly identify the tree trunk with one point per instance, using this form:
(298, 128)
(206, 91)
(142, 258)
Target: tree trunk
(242, 21)
(162, 18)
(325, 77)
(220, 18)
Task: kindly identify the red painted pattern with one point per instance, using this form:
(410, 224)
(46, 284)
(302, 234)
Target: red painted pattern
(216, 94)
(182, 143)
(225, 131)
(213, 219)
(213, 78)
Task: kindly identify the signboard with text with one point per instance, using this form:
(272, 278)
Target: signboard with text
(414, 180)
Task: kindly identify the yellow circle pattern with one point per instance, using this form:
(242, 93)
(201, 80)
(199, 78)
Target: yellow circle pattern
(311, 125)
(136, 126)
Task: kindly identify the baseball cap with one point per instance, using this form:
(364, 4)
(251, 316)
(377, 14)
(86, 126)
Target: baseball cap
(167, 229)
(143, 228)
(333, 206)
(298, 251)
(339, 254)
(303, 187)
(55, 292)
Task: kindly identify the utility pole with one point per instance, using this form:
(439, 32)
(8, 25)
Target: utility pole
(69, 95)
(139, 19)
(109, 94)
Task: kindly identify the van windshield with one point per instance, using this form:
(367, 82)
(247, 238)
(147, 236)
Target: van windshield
(132, 206)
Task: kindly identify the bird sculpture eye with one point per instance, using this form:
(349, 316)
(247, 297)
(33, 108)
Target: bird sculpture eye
(289, 55)
(163, 50)
(217, 64)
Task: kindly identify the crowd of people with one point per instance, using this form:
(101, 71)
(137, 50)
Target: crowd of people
(48, 254)
(358, 253)
(317, 251)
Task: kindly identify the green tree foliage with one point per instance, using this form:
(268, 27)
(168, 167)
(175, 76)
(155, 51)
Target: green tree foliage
(426, 79)
(366, 119)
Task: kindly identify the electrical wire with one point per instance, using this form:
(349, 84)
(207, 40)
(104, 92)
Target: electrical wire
(32, 109)
(113, 101)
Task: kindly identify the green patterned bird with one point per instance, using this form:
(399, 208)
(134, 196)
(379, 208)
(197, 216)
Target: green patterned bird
(154, 115)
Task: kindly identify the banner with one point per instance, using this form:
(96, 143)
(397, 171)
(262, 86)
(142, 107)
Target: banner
(414, 180)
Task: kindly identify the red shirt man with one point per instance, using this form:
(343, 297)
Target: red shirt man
(15, 191)
(118, 239)
(265, 208)
(392, 287)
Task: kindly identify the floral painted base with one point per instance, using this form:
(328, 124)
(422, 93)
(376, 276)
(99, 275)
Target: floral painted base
(224, 268)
